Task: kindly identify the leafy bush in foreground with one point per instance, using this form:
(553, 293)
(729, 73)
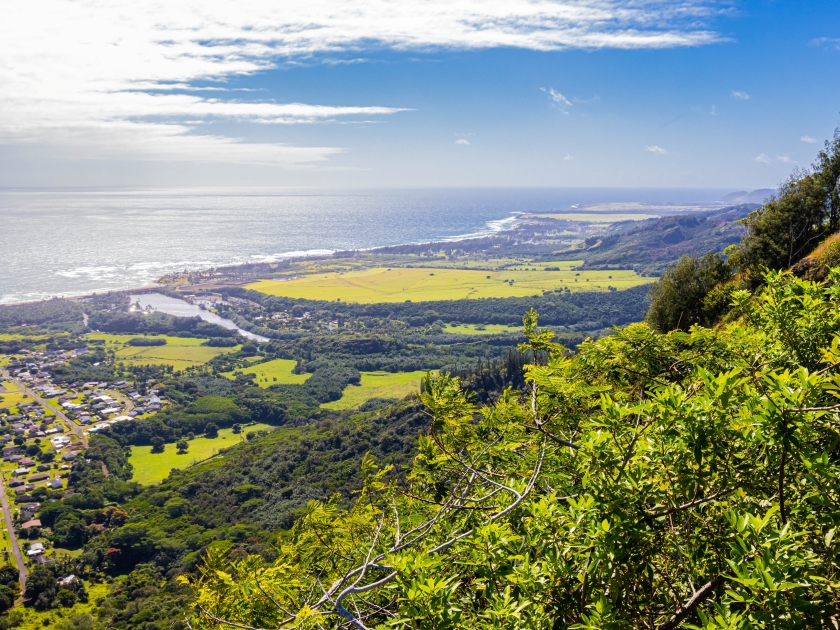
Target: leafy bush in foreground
(648, 481)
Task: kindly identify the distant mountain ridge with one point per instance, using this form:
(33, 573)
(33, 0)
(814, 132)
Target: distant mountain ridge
(742, 196)
(650, 246)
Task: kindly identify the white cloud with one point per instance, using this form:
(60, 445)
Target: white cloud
(653, 148)
(828, 43)
(462, 141)
(763, 158)
(786, 159)
(740, 95)
(76, 71)
(809, 139)
(568, 157)
(557, 99)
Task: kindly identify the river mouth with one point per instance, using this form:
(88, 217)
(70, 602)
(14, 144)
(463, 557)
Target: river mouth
(179, 308)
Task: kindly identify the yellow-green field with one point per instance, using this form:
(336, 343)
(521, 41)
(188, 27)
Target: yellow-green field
(481, 329)
(377, 385)
(272, 373)
(380, 284)
(179, 352)
(12, 396)
(596, 218)
(151, 468)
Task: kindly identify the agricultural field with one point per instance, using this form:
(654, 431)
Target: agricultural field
(377, 385)
(601, 217)
(179, 352)
(272, 373)
(12, 396)
(396, 284)
(481, 329)
(151, 468)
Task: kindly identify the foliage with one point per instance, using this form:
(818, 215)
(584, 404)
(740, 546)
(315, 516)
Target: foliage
(556, 308)
(147, 341)
(678, 299)
(647, 481)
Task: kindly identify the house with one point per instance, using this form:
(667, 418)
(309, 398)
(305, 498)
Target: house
(14, 482)
(39, 477)
(55, 484)
(21, 471)
(30, 524)
(26, 461)
(68, 457)
(10, 450)
(42, 560)
(35, 549)
(67, 581)
(42, 467)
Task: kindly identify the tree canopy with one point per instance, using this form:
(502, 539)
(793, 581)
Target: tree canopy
(650, 480)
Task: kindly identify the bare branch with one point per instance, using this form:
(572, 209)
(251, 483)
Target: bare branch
(232, 624)
(691, 504)
(809, 409)
(699, 597)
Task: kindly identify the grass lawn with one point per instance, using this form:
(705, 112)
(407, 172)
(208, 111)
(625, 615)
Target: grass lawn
(273, 372)
(381, 284)
(377, 385)
(151, 468)
(179, 352)
(483, 329)
(35, 619)
(12, 396)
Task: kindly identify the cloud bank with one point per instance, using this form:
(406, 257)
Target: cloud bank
(105, 79)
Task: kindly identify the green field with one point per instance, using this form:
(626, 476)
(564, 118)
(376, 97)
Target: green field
(481, 329)
(179, 352)
(601, 217)
(12, 396)
(377, 385)
(272, 373)
(151, 468)
(380, 284)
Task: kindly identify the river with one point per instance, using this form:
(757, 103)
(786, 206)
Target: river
(179, 308)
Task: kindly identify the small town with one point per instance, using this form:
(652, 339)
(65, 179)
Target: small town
(45, 429)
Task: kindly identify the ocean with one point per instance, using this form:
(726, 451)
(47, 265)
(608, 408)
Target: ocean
(74, 242)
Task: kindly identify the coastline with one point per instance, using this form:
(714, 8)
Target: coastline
(506, 224)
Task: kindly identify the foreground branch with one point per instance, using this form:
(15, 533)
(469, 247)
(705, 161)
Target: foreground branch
(699, 597)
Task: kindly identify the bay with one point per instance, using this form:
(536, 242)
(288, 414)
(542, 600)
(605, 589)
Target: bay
(75, 242)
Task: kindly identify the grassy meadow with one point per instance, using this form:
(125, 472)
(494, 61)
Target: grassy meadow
(601, 217)
(381, 284)
(272, 373)
(151, 468)
(12, 396)
(179, 352)
(377, 385)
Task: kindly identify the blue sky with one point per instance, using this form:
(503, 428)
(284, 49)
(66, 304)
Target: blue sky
(461, 93)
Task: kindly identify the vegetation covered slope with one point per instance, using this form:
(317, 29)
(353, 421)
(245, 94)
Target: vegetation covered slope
(649, 480)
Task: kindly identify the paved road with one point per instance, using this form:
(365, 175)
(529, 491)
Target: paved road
(129, 405)
(7, 514)
(57, 410)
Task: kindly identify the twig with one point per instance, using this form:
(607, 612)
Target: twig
(699, 597)
(691, 504)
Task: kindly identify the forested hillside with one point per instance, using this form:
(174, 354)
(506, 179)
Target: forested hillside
(668, 475)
